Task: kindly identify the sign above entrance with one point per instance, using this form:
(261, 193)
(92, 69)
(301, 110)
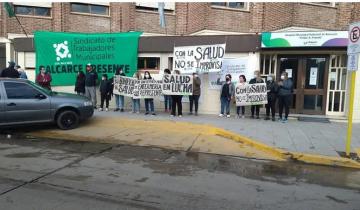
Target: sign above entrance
(354, 38)
(304, 39)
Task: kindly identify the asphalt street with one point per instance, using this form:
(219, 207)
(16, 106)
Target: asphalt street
(61, 174)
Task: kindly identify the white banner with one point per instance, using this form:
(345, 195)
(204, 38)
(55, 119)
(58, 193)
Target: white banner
(124, 85)
(203, 58)
(233, 66)
(177, 84)
(147, 89)
(250, 94)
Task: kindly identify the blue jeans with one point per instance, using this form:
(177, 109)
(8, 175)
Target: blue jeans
(136, 105)
(119, 100)
(225, 105)
(149, 105)
(167, 101)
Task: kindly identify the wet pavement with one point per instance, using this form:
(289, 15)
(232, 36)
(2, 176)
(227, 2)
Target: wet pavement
(62, 174)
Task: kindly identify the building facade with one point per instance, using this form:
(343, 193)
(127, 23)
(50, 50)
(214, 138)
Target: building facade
(327, 97)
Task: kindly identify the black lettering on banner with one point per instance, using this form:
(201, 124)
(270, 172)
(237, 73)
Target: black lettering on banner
(177, 84)
(251, 94)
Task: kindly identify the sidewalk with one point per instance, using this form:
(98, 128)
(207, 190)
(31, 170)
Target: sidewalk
(308, 142)
(295, 136)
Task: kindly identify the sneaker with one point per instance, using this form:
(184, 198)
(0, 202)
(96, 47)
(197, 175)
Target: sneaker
(137, 112)
(180, 115)
(252, 117)
(280, 119)
(273, 119)
(100, 109)
(221, 115)
(243, 116)
(153, 114)
(238, 116)
(228, 116)
(117, 109)
(107, 109)
(121, 110)
(267, 118)
(146, 113)
(284, 120)
(172, 115)
(190, 113)
(257, 117)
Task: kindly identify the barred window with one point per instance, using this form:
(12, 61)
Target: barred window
(233, 5)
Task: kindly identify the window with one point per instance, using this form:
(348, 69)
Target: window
(153, 6)
(148, 63)
(233, 5)
(330, 4)
(32, 11)
(16, 90)
(90, 9)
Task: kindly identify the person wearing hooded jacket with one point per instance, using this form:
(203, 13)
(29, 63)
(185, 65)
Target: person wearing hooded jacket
(285, 96)
(272, 90)
(256, 108)
(226, 94)
(10, 71)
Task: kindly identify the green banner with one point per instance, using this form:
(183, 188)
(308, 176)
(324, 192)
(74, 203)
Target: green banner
(65, 54)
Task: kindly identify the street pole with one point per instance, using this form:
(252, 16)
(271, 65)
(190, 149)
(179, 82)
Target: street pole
(351, 109)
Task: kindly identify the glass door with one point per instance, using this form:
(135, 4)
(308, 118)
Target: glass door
(313, 85)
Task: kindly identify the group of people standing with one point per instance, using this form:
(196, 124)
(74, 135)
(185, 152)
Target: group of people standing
(43, 79)
(281, 91)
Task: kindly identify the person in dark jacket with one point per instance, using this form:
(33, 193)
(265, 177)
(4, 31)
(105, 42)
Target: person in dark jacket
(285, 96)
(272, 90)
(242, 81)
(80, 83)
(226, 94)
(119, 99)
(10, 71)
(256, 108)
(149, 102)
(105, 92)
(44, 78)
(91, 78)
(194, 98)
(176, 102)
(167, 98)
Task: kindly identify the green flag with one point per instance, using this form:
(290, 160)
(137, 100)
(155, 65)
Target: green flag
(9, 9)
(65, 54)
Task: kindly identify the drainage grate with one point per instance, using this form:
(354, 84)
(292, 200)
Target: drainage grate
(314, 119)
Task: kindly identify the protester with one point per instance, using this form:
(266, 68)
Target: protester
(167, 98)
(176, 102)
(256, 108)
(136, 101)
(194, 98)
(22, 73)
(226, 94)
(105, 92)
(91, 78)
(242, 81)
(44, 78)
(285, 96)
(10, 71)
(149, 102)
(80, 83)
(272, 90)
(119, 99)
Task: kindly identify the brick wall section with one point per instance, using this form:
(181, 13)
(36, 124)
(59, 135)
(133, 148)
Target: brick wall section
(343, 15)
(149, 22)
(257, 17)
(30, 24)
(128, 11)
(313, 16)
(57, 14)
(277, 16)
(355, 16)
(181, 17)
(229, 20)
(115, 12)
(197, 17)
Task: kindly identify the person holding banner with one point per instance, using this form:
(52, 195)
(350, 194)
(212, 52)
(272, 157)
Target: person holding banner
(119, 99)
(194, 98)
(272, 90)
(256, 108)
(167, 98)
(242, 81)
(149, 102)
(285, 96)
(227, 92)
(176, 101)
(136, 101)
